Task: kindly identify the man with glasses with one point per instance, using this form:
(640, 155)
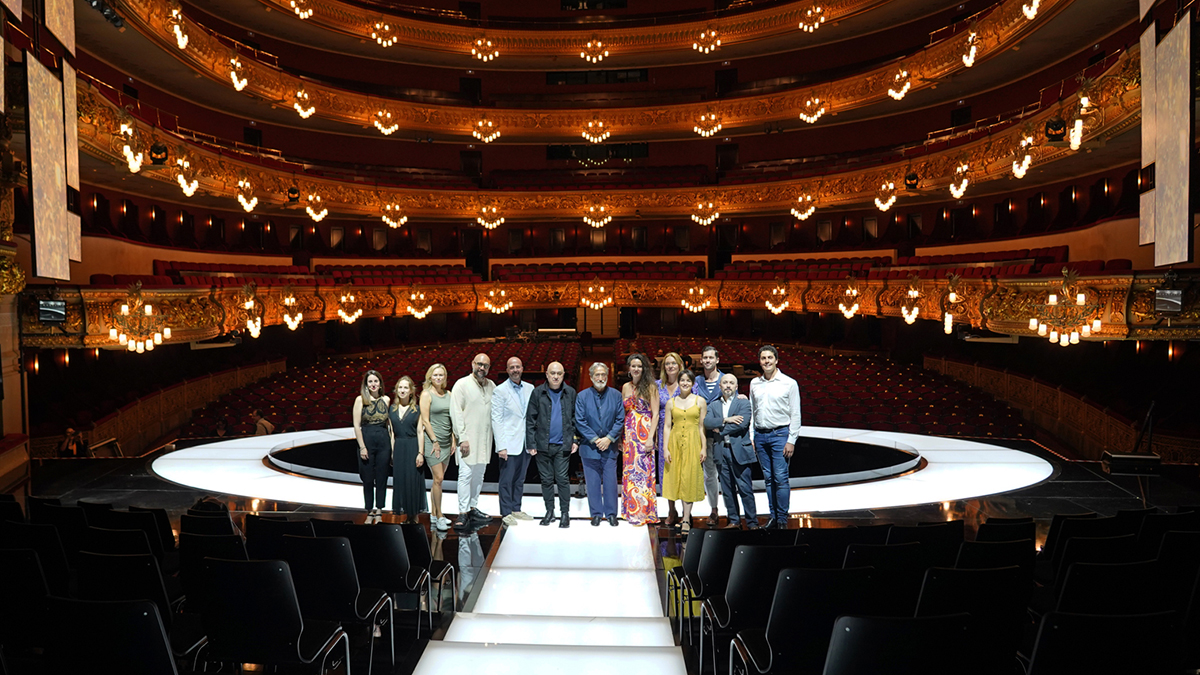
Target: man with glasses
(471, 418)
(600, 419)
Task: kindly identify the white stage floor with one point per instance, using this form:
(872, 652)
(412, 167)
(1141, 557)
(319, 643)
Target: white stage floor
(581, 600)
(956, 469)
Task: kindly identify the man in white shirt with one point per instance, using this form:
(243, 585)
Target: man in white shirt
(471, 418)
(509, 403)
(775, 421)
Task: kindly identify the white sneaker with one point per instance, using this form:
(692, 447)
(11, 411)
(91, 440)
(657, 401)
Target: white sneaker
(442, 523)
(521, 515)
(510, 520)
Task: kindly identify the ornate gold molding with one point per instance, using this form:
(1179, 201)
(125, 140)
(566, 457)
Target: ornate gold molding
(208, 54)
(1116, 107)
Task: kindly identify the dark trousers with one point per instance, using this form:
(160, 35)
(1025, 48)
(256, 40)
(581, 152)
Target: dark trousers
(735, 480)
(512, 482)
(769, 447)
(552, 466)
(601, 477)
(375, 469)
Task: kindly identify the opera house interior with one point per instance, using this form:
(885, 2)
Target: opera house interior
(965, 228)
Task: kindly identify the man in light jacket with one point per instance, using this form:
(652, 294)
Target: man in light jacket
(510, 400)
(471, 419)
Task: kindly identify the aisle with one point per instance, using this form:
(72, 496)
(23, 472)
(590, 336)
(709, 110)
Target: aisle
(582, 600)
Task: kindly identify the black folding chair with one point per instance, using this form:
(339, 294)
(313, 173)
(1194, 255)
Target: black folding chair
(690, 564)
(997, 532)
(935, 645)
(1146, 644)
(24, 589)
(420, 555)
(827, 546)
(217, 523)
(163, 522)
(381, 560)
(995, 599)
(324, 527)
(141, 520)
(109, 638)
(43, 539)
(264, 536)
(1155, 526)
(115, 542)
(903, 565)
(1118, 588)
(712, 573)
(193, 550)
(977, 555)
(10, 511)
(70, 521)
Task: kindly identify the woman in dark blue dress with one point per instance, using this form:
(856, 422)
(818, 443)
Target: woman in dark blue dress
(408, 482)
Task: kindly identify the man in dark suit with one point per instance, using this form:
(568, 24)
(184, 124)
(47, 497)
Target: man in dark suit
(600, 420)
(729, 418)
(549, 432)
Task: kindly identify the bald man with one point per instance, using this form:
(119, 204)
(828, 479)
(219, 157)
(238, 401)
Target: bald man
(550, 438)
(471, 417)
(509, 403)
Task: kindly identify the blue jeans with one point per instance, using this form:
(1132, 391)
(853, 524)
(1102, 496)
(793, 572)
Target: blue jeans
(769, 446)
(601, 477)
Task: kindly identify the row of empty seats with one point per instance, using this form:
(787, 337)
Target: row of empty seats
(607, 270)
(1043, 255)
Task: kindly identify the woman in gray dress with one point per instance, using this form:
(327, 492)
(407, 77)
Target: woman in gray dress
(436, 438)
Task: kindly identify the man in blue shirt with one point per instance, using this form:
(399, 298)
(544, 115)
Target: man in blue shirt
(549, 431)
(600, 419)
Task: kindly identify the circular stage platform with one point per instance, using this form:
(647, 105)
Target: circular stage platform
(835, 470)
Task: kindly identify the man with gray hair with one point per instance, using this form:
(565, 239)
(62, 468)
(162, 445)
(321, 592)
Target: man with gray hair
(471, 418)
(600, 421)
(550, 438)
(729, 419)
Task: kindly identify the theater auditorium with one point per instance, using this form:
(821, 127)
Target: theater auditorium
(699, 337)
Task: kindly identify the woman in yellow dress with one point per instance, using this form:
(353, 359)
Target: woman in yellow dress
(683, 451)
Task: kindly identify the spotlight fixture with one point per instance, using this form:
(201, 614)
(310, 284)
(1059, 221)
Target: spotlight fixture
(706, 212)
(350, 308)
(1031, 9)
(245, 194)
(110, 15)
(302, 8)
(316, 208)
(1026, 148)
(779, 297)
(886, 196)
(489, 216)
(958, 187)
(594, 51)
(497, 300)
(597, 215)
(595, 131)
(393, 215)
(968, 58)
(293, 194)
(596, 296)
(696, 300)
(383, 122)
(416, 302)
(813, 18)
(708, 124)
(236, 73)
(1056, 129)
(485, 130)
(901, 83)
(708, 42)
(303, 104)
(384, 33)
(813, 110)
(911, 180)
(158, 153)
(175, 20)
(805, 206)
(483, 49)
(185, 176)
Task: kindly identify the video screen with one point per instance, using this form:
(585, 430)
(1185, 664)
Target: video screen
(47, 173)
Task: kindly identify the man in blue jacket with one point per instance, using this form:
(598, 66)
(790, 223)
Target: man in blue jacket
(729, 419)
(599, 421)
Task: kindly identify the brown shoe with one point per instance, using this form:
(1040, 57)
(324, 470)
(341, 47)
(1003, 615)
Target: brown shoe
(713, 519)
(731, 526)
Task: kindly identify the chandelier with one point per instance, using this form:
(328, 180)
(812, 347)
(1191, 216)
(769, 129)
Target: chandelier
(779, 297)
(350, 307)
(597, 295)
(302, 9)
(485, 130)
(497, 300)
(1026, 147)
(416, 298)
(237, 74)
(292, 316)
(383, 122)
(886, 196)
(135, 324)
(394, 215)
(245, 194)
(813, 18)
(483, 49)
(1075, 134)
(1065, 322)
(958, 187)
(129, 135)
(251, 310)
(175, 20)
(696, 300)
(909, 309)
(593, 51)
(595, 131)
(184, 175)
(384, 33)
(948, 323)
(851, 296)
(709, 41)
(303, 104)
(952, 288)
(708, 124)
(489, 216)
(706, 212)
(805, 207)
(316, 208)
(968, 58)
(813, 110)
(1030, 10)
(901, 83)
(597, 215)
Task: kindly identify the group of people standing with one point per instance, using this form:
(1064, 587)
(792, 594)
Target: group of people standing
(687, 434)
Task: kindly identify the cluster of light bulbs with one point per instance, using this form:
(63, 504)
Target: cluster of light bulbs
(1019, 168)
(303, 104)
(293, 321)
(302, 9)
(813, 18)
(253, 323)
(597, 215)
(696, 301)
(593, 51)
(497, 301)
(393, 215)
(384, 34)
(886, 197)
(709, 41)
(1075, 135)
(489, 217)
(383, 122)
(139, 345)
(948, 323)
(958, 187)
(484, 50)
(181, 175)
(901, 83)
(708, 124)
(316, 208)
(595, 297)
(779, 299)
(177, 27)
(415, 298)
(705, 214)
(968, 58)
(348, 299)
(805, 207)
(235, 73)
(849, 311)
(1030, 10)
(245, 194)
(1065, 338)
(595, 131)
(813, 110)
(132, 159)
(485, 130)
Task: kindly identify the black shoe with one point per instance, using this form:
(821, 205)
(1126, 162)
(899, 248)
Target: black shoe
(462, 523)
(596, 520)
(770, 524)
(547, 519)
(476, 514)
(565, 522)
(612, 520)
(781, 525)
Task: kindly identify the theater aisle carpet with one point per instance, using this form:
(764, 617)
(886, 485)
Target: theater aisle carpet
(581, 601)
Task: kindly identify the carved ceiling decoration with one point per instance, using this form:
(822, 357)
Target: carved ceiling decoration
(1116, 106)
(1003, 305)
(209, 54)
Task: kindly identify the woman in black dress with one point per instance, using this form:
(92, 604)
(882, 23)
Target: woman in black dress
(408, 482)
(371, 429)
